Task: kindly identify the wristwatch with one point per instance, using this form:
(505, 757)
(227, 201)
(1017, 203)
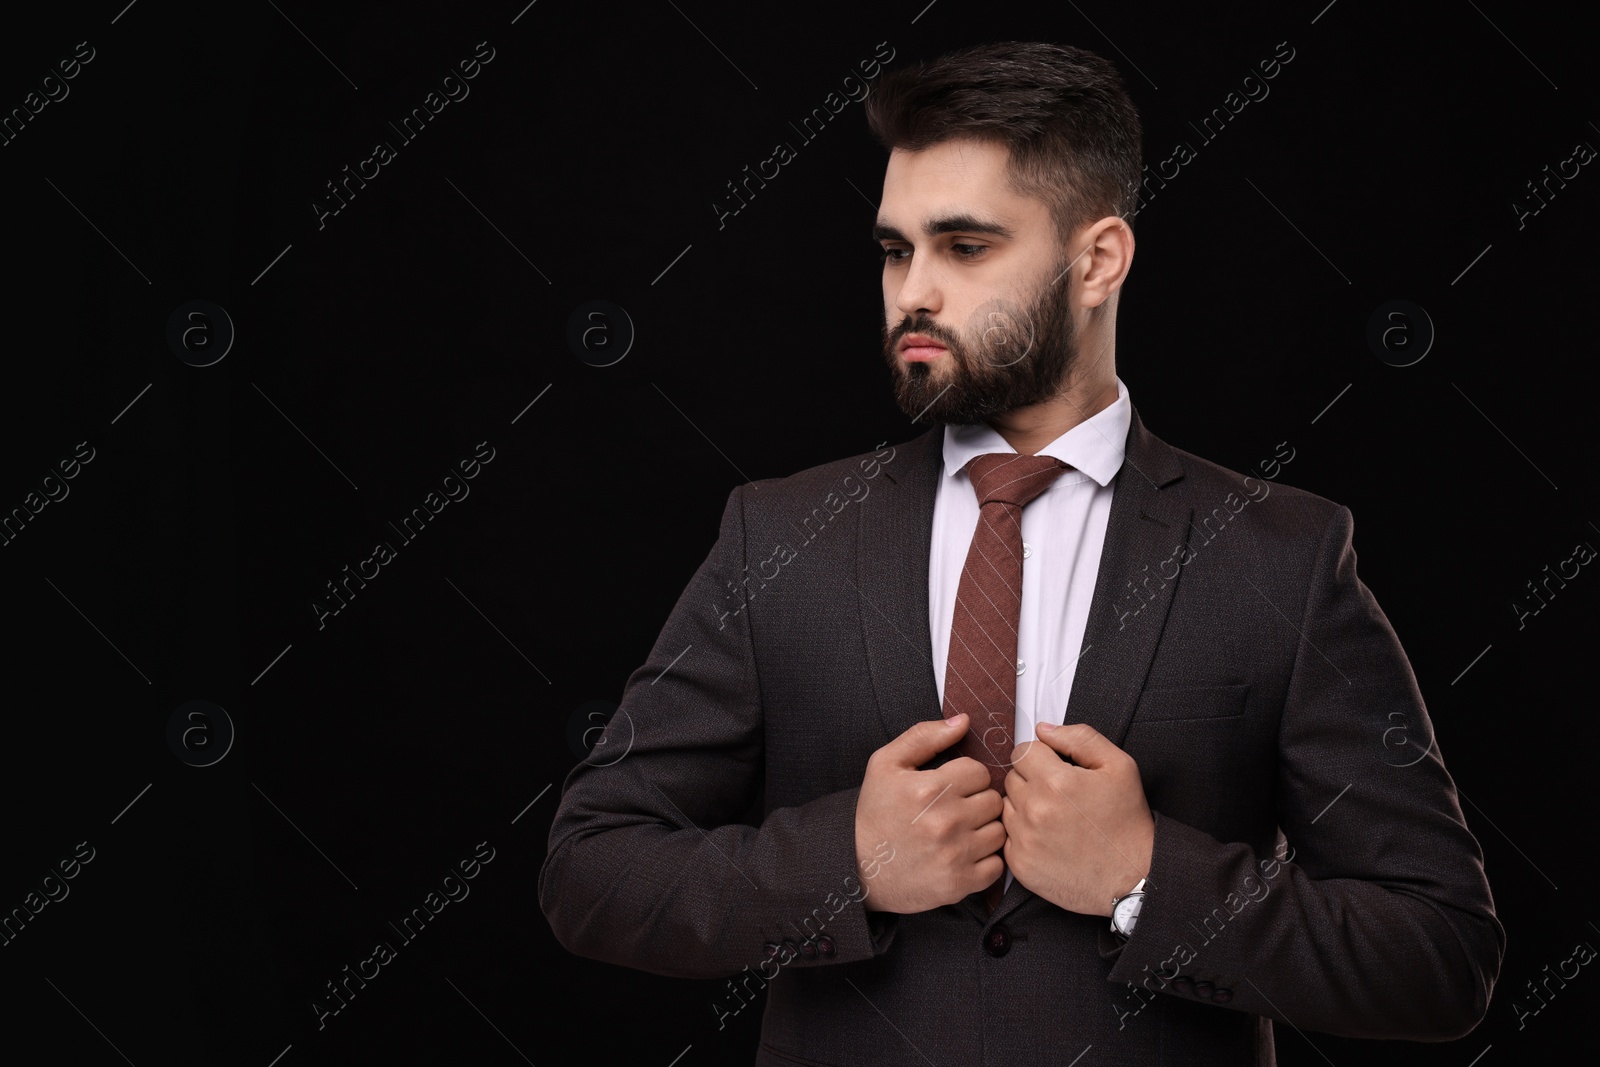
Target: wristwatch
(1125, 910)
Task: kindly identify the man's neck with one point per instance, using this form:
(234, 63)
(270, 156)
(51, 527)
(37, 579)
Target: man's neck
(1031, 428)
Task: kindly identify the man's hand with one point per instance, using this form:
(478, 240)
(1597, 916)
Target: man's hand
(943, 823)
(1079, 833)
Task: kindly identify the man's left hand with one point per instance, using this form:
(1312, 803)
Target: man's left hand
(1078, 833)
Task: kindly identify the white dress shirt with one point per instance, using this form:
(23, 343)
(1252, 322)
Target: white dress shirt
(1063, 532)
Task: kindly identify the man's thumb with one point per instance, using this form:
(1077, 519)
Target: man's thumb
(926, 739)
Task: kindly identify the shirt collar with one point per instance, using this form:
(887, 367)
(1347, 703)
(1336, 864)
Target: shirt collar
(1094, 446)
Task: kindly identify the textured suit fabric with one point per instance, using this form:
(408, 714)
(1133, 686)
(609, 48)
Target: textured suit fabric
(1231, 650)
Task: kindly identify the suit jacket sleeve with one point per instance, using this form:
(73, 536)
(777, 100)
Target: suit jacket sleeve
(655, 861)
(1379, 922)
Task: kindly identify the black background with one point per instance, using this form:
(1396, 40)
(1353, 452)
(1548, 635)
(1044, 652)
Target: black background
(375, 351)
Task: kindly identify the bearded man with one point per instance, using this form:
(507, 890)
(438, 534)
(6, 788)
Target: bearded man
(1059, 737)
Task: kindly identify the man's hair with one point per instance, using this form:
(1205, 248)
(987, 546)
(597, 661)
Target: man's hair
(1072, 131)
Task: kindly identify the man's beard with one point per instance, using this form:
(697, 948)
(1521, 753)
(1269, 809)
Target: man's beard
(1007, 358)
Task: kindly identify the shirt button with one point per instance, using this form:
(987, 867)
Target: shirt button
(997, 942)
(1027, 550)
(1021, 666)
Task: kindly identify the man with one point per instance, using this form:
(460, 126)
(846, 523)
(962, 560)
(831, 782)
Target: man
(827, 782)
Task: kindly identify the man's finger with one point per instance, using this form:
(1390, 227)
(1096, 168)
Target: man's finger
(1025, 760)
(1080, 743)
(925, 740)
(966, 775)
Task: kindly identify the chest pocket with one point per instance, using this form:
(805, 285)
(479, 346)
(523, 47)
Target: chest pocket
(1184, 705)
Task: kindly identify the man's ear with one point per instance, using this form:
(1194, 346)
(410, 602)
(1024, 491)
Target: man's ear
(1101, 256)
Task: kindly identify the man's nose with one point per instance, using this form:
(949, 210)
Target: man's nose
(921, 291)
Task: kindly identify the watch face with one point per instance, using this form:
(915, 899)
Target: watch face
(1127, 910)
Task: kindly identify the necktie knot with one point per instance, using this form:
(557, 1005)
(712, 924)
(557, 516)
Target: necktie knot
(1011, 478)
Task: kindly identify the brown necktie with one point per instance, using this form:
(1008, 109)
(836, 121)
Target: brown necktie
(980, 675)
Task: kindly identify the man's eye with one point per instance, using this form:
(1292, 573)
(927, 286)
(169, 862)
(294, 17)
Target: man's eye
(965, 251)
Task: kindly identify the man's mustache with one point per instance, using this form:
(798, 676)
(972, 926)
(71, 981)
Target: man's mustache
(923, 326)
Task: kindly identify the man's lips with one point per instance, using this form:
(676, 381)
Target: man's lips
(917, 346)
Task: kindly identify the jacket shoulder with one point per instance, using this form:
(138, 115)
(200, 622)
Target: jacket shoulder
(1280, 511)
(832, 475)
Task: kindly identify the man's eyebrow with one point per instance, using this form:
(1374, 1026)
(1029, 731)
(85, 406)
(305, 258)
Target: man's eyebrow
(882, 231)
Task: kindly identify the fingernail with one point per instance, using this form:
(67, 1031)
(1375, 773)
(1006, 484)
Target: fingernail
(1046, 727)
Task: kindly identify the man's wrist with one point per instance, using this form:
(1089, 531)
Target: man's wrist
(1143, 854)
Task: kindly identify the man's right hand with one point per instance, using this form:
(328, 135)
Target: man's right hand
(944, 823)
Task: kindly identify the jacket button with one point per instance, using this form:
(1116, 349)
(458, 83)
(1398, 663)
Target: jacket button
(997, 942)
(1183, 983)
(1222, 996)
(790, 950)
(770, 950)
(808, 949)
(1203, 990)
(825, 943)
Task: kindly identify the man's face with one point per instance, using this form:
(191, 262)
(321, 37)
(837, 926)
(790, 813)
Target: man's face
(977, 313)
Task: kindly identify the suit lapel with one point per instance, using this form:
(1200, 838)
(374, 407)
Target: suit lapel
(1125, 617)
(1131, 598)
(1130, 602)
(896, 539)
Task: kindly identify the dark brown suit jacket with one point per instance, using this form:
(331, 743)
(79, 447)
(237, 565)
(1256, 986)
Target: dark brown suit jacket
(1231, 650)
